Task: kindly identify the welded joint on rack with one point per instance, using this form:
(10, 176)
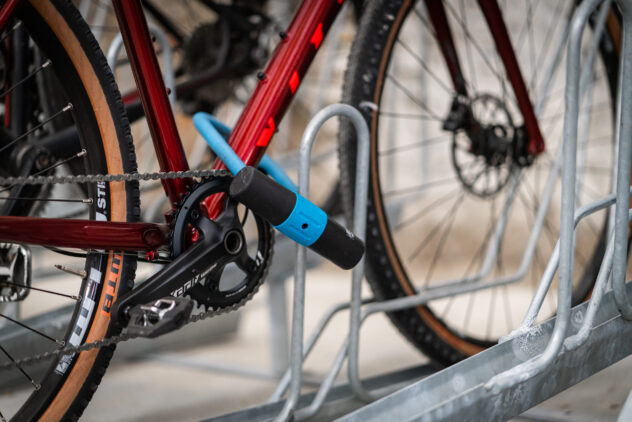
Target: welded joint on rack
(540, 363)
(326, 385)
(359, 226)
(624, 131)
(595, 299)
(167, 58)
(549, 272)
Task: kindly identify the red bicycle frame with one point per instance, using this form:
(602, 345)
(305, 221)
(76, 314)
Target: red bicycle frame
(257, 123)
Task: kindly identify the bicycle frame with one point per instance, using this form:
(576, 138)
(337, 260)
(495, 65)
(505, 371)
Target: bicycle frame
(258, 122)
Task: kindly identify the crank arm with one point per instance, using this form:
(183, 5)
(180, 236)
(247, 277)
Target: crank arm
(211, 250)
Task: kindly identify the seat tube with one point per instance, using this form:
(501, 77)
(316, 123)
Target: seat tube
(153, 93)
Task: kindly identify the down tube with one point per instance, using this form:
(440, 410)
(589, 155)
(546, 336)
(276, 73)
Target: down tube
(279, 82)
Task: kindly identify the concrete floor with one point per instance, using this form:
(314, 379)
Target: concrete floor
(234, 371)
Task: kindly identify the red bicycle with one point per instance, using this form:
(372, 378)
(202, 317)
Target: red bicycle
(486, 104)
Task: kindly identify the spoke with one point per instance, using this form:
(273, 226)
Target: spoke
(480, 50)
(473, 180)
(426, 209)
(549, 35)
(596, 169)
(468, 312)
(532, 60)
(52, 166)
(431, 141)
(28, 377)
(427, 25)
(24, 286)
(13, 28)
(522, 35)
(442, 240)
(412, 97)
(59, 342)
(409, 116)
(477, 257)
(553, 120)
(33, 129)
(442, 84)
(424, 242)
(424, 186)
(26, 78)
(468, 50)
(62, 162)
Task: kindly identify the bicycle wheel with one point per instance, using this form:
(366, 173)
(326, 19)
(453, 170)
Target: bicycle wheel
(59, 308)
(436, 204)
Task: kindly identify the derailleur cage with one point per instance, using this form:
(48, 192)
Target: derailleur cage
(15, 272)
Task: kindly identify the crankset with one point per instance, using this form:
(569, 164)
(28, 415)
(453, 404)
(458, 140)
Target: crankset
(202, 249)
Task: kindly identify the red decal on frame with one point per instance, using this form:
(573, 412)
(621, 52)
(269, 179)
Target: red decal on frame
(294, 81)
(317, 38)
(267, 133)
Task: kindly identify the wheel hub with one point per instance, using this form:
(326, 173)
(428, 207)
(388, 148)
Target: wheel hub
(483, 146)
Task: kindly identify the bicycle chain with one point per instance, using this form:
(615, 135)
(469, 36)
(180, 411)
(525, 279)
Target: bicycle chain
(97, 178)
(43, 180)
(71, 350)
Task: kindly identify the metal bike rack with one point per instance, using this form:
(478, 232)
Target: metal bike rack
(534, 362)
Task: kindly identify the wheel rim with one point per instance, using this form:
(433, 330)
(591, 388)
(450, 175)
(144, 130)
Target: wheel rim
(423, 257)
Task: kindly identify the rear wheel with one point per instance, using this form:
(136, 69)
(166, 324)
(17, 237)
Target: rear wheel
(436, 200)
(59, 47)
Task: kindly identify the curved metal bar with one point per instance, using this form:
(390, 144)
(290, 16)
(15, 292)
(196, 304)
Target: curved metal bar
(551, 268)
(309, 135)
(595, 299)
(538, 364)
(421, 299)
(326, 385)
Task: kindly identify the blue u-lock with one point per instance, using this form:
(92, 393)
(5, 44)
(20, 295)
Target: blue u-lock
(278, 202)
(306, 222)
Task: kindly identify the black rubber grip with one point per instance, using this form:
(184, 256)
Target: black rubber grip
(339, 245)
(296, 217)
(262, 195)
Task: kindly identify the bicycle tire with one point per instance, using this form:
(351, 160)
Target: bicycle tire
(57, 29)
(386, 271)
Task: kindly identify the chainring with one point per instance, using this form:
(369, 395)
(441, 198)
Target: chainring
(236, 278)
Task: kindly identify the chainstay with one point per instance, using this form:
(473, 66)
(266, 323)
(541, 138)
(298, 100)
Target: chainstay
(96, 178)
